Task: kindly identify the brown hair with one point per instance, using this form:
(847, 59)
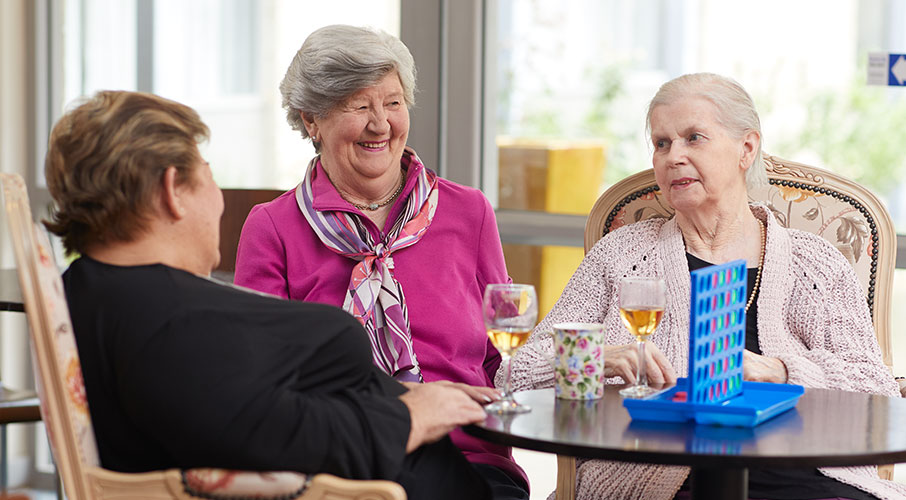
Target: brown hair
(105, 161)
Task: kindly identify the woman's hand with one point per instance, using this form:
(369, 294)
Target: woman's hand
(437, 408)
(481, 395)
(622, 360)
(758, 368)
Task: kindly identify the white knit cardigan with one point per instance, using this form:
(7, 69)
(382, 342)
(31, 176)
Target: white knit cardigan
(812, 314)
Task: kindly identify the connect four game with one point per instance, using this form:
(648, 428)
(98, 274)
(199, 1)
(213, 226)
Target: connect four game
(714, 391)
(717, 332)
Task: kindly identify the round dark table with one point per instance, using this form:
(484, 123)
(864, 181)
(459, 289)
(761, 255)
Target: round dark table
(827, 428)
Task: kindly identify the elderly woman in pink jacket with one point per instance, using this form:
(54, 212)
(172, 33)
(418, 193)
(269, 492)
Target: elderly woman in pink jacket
(807, 321)
(371, 229)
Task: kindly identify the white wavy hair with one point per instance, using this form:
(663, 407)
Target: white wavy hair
(337, 61)
(735, 111)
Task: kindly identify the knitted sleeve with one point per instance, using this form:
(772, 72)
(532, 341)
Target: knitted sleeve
(828, 312)
(584, 300)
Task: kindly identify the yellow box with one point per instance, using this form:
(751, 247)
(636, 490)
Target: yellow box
(550, 176)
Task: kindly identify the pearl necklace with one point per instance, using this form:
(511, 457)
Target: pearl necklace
(764, 244)
(371, 207)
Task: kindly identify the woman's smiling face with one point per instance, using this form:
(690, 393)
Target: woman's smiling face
(696, 162)
(364, 137)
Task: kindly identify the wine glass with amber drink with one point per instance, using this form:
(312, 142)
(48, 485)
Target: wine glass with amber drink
(642, 302)
(510, 312)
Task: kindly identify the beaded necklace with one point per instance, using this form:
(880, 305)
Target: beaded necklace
(371, 207)
(760, 263)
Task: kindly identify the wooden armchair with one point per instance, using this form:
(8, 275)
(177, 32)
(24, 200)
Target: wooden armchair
(64, 406)
(801, 197)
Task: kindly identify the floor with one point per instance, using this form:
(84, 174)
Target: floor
(541, 469)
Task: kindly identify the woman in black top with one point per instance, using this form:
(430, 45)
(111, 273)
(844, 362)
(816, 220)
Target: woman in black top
(184, 372)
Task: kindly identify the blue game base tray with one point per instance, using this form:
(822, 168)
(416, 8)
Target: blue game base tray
(758, 403)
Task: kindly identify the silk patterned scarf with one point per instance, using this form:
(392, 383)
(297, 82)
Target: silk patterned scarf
(374, 296)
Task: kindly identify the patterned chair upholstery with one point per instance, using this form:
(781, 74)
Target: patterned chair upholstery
(801, 197)
(64, 406)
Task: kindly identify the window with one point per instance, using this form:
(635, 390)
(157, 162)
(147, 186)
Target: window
(585, 70)
(225, 58)
(570, 82)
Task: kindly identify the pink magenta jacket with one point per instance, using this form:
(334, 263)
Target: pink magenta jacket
(812, 315)
(443, 277)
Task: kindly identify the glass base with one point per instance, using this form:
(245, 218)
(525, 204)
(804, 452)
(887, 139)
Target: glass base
(637, 391)
(506, 407)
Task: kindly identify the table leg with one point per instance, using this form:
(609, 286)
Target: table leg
(723, 483)
(566, 478)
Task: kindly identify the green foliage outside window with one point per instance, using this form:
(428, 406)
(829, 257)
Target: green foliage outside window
(857, 133)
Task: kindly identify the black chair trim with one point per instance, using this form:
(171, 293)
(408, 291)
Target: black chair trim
(625, 201)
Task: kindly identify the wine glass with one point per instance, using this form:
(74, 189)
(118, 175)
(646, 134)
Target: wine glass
(642, 302)
(510, 312)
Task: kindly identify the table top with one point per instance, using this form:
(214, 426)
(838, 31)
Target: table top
(10, 296)
(826, 428)
(18, 406)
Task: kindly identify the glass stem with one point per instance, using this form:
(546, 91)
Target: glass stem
(507, 391)
(641, 378)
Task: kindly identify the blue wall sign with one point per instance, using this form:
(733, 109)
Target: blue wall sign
(897, 73)
(887, 69)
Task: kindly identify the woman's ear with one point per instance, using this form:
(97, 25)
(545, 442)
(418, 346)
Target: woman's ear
(170, 194)
(311, 125)
(750, 144)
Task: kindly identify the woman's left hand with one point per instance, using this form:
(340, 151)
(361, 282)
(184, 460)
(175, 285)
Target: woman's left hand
(481, 395)
(758, 368)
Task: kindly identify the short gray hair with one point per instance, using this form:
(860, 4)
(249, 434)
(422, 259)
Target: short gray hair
(735, 111)
(337, 61)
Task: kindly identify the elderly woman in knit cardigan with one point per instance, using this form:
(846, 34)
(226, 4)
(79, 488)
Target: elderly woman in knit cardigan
(807, 320)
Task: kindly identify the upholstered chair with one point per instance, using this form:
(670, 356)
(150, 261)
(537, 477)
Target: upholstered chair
(64, 406)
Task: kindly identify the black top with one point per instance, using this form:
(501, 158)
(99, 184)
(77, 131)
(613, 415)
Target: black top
(774, 483)
(752, 314)
(184, 372)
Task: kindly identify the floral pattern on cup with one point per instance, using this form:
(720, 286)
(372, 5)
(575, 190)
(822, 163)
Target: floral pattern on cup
(579, 360)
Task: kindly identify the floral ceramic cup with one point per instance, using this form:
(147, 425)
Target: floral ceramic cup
(579, 360)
